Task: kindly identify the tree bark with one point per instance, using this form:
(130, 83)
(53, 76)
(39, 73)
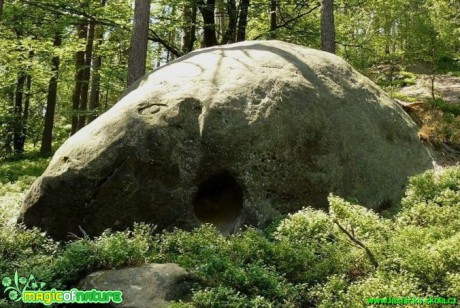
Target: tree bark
(47, 137)
(209, 29)
(188, 33)
(18, 138)
(21, 107)
(139, 39)
(327, 26)
(9, 94)
(95, 94)
(220, 15)
(229, 36)
(79, 65)
(25, 114)
(273, 23)
(1, 10)
(86, 76)
(242, 21)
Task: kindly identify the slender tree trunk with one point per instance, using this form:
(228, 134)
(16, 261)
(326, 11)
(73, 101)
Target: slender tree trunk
(433, 71)
(139, 41)
(21, 107)
(18, 144)
(188, 33)
(10, 90)
(221, 16)
(25, 114)
(95, 93)
(209, 29)
(273, 24)
(79, 65)
(229, 36)
(47, 137)
(86, 76)
(1, 10)
(242, 21)
(327, 26)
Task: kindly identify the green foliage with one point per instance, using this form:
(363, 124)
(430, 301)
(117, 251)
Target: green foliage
(433, 186)
(311, 258)
(125, 248)
(16, 176)
(444, 106)
(403, 97)
(22, 170)
(396, 79)
(247, 265)
(394, 33)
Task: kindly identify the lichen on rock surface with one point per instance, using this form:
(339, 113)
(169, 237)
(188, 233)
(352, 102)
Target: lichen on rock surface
(230, 135)
(149, 285)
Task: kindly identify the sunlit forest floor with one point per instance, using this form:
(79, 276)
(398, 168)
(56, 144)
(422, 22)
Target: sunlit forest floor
(439, 118)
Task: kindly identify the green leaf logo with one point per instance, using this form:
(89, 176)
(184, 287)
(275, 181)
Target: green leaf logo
(16, 286)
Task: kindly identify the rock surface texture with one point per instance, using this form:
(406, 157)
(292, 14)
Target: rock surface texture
(152, 285)
(230, 135)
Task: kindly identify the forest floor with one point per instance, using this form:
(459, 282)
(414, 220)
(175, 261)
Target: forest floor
(439, 120)
(447, 87)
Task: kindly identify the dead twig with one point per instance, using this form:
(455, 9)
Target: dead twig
(359, 243)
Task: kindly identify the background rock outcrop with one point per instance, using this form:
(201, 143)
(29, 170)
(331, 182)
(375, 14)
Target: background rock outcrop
(230, 135)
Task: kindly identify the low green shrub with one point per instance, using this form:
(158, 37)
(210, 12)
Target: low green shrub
(311, 258)
(397, 79)
(446, 107)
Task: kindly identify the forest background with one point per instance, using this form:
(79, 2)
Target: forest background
(63, 63)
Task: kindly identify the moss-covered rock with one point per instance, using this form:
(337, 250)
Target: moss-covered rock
(230, 135)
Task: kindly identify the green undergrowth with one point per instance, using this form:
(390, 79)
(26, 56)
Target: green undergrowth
(445, 107)
(403, 97)
(312, 258)
(21, 171)
(396, 79)
(16, 176)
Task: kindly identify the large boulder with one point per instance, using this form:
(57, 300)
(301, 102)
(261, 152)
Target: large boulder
(230, 135)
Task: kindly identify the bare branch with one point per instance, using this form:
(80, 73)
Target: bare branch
(156, 38)
(359, 243)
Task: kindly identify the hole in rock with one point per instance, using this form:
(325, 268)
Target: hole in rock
(219, 201)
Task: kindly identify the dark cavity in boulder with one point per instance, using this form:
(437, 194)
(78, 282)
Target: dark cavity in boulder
(219, 201)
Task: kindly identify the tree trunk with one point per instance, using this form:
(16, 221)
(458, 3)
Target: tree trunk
(433, 70)
(47, 137)
(209, 28)
(188, 32)
(139, 39)
(86, 76)
(242, 21)
(18, 138)
(1, 10)
(25, 113)
(327, 26)
(221, 20)
(229, 36)
(94, 96)
(79, 65)
(273, 24)
(9, 93)
(21, 107)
